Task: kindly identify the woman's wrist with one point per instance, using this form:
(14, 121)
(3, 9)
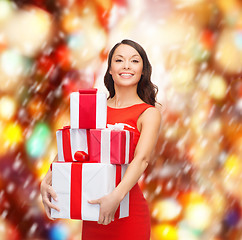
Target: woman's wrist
(117, 194)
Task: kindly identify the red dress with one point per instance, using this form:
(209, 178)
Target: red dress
(137, 225)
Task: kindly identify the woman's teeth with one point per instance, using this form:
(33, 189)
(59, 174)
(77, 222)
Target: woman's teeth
(126, 75)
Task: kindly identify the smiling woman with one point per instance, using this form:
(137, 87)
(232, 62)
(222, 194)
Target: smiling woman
(131, 102)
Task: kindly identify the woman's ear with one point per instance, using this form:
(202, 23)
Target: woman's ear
(110, 72)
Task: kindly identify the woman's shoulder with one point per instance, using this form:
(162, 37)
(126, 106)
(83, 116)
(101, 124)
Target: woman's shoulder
(151, 114)
(150, 119)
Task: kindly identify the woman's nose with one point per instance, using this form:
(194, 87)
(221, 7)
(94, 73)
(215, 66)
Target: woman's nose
(126, 64)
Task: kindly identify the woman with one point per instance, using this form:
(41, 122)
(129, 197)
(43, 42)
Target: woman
(131, 101)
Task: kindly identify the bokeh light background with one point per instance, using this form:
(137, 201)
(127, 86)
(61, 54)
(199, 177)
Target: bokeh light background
(51, 48)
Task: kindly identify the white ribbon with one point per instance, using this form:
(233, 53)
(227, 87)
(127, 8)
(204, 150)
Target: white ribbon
(105, 146)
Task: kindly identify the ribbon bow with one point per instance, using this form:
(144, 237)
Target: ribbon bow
(64, 128)
(81, 156)
(118, 126)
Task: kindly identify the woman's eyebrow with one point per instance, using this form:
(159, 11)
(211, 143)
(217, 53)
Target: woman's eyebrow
(135, 55)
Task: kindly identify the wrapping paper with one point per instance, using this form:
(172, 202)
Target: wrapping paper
(111, 146)
(69, 141)
(76, 183)
(88, 109)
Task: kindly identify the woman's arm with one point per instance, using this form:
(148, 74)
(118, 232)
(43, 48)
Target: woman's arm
(47, 192)
(150, 127)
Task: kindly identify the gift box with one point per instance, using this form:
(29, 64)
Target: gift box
(75, 183)
(69, 141)
(111, 145)
(88, 109)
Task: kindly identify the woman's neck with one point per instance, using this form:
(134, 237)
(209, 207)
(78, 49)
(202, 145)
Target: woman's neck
(124, 97)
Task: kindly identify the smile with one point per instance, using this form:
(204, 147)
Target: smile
(126, 75)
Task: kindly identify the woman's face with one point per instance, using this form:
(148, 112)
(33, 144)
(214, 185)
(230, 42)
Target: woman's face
(126, 66)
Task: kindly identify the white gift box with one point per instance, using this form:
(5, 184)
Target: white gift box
(76, 183)
(69, 141)
(88, 109)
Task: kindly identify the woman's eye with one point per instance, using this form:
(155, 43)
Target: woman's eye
(136, 61)
(118, 60)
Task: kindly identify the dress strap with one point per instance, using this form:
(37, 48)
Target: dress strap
(140, 109)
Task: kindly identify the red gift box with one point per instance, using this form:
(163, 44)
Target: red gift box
(88, 109)
(111, 146)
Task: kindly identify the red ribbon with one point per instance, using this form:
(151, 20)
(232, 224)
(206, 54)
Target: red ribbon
(76, 191)
(131, 146)
(118, 147)
(118, 180)
(66, 141)
(88, 91)
(87, 108)
(95, 145)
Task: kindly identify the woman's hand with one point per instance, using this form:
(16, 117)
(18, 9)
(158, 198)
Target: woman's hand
(47, 192)
(108, 206)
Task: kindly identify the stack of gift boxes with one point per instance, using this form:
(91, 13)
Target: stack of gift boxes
(92, 158)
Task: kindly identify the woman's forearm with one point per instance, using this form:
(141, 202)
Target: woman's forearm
(143, 152)
(134, 171)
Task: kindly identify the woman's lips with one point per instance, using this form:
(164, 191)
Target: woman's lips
(126, 75)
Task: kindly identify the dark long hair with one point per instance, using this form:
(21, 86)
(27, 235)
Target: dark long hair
(146, 90)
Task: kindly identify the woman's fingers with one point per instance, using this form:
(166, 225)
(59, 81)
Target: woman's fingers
(107, 220)
(46, 197)
(48, 205)
(47, 192)
(97, 201)
(51, 205)
(103, 218)
(52, 192)
(46, 201)
(47, 210)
